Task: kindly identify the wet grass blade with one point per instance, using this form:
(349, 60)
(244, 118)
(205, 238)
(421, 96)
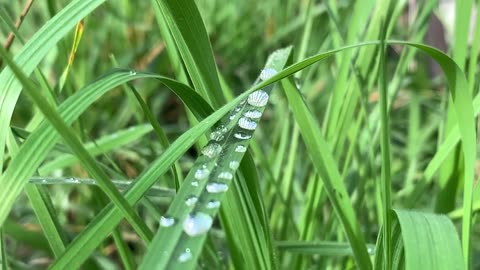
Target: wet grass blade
(183, 230)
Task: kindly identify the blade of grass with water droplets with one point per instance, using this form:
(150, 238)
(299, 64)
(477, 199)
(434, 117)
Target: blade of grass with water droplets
(180, 239)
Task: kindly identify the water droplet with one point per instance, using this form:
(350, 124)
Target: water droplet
(247, 123)
(240, 149)
(167, 221)
(234, 164)
(267, 73)
(216, 187)
(258, 98)
(133, 72)
(211, 150)
(216, 136)
(195, 183)
(371, 250)
(232, 116)
(192, 200)
(255, 114)
(202, 173)
(225, 175)
(44, 181)
(185, 256)
(213, 204)
(196, 224)
(242, 136)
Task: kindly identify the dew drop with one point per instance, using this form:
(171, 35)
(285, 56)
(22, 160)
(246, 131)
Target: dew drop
(267, 73)
(255, 114)
(242, 136)
(196, 224)
(167, 221)
(213, 204)
(185, 256)
(258, 98)
(192, 200)
(234, 164)
(216, 187)
(232, 116)
(211, 150)
(202, 173)
(247, 123)
(195, 183)
(133, 72)
(225, 175)
(217, 136)
(240, 149)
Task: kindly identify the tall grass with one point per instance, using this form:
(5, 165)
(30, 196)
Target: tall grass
(298, 135)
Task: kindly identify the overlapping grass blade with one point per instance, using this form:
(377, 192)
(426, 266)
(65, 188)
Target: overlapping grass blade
(32, 53)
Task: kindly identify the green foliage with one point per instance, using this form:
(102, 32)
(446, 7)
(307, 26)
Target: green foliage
(349, 150)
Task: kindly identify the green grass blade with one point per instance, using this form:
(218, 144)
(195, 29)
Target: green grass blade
(430, 241)
(325, 164)
(188, 31)
(33, 52)
(463, 105)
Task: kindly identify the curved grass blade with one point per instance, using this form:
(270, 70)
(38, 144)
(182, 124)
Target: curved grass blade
(32, 53)
(464, 113)
(424, 241)
(183, 231)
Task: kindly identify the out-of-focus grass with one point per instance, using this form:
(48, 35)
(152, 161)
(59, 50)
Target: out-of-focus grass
(314, 188)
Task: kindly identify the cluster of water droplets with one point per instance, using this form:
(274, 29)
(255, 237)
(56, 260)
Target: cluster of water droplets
(197, 222)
